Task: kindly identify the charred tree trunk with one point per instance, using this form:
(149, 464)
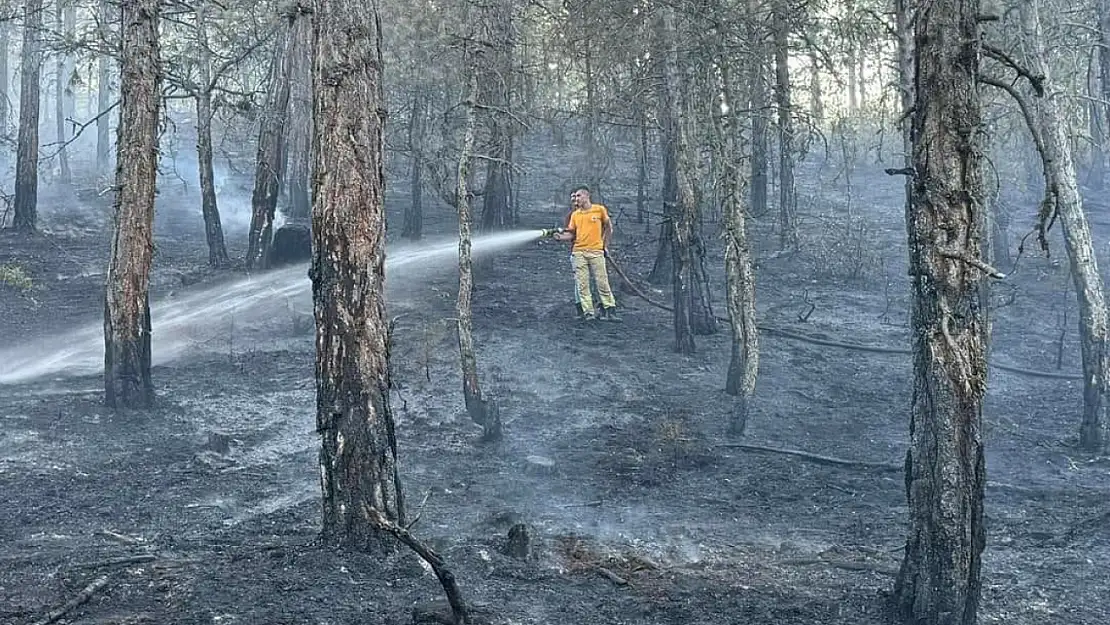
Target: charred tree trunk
(662, 268)
(127, 379)
(757, 87)
(213, 228)
(1101, 108)
(5, 86)
(65, 17)
(788, 209)
(692, 312)
(270, 163)
(497, 196)
(299, 175)
(358, 453)
(1063, 194)
(481, 411)
(642, 166)
(743, 367)
(939, 581)
(903, 20)
(104, 93)
(25, 204)
(413, 228)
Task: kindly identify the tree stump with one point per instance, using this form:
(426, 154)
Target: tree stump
(292, 244)
(520, 542)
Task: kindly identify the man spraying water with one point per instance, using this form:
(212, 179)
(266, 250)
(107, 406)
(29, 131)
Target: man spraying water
(590, 228)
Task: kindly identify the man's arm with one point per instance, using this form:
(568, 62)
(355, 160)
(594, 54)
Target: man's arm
(606, 229)
(568, 229)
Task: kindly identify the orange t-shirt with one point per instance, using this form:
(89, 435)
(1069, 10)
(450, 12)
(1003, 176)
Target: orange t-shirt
(588, 226)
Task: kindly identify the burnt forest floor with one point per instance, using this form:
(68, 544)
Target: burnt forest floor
(205, 510)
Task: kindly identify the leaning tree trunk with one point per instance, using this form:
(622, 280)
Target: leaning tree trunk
(743, 367)
(298, 178)
(358, 454)
(25, 204)
(939, 581)
(104, 92)
(788, 209)
(127, 379)
(1064, 192)
(213, 228)
(481, 411)
(270, 162)
(661, 269)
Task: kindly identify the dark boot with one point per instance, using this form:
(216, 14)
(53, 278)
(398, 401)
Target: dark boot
(610, 314)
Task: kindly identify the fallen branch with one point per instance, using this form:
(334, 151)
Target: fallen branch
(86, 593)
(611, 576)
(139, 559)
(819, 459)
(847, 565)
(445, 576)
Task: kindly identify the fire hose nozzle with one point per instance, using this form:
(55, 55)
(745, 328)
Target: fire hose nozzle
(550, 232)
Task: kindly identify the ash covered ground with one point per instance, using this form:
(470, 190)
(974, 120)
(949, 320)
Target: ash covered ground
(205, 510)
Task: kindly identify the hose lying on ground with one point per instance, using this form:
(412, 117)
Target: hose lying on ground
(874, 349)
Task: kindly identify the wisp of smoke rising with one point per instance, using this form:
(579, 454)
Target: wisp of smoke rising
(177, 321)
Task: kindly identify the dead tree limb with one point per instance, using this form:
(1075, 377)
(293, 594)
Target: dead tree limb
(1037, 82)
(86, 593)
(445, 576)
(974, 262)
(819, 459)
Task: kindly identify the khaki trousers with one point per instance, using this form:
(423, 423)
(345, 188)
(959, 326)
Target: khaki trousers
(588, 262)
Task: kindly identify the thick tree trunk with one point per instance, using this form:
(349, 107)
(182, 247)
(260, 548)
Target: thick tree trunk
(1064, 191)
(127, 379)
(788, 209)
(939, 580)
(271, 159)
(816, 102)
(25, 204)
(104, 93)
(481, 411)
(299, 175)
(358, 454)
(413, 228)
(743, 367)
(213, 228)
(903, 23)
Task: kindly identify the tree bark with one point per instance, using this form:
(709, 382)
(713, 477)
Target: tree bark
(271, 159)
(478, 408)
(788, 209)
(213, 228)
(25, 204)
(939, 581)
(641, 165)
(127, 378)
(1068, 204)
(358, 454)
(1101, 112)
(104, 93)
